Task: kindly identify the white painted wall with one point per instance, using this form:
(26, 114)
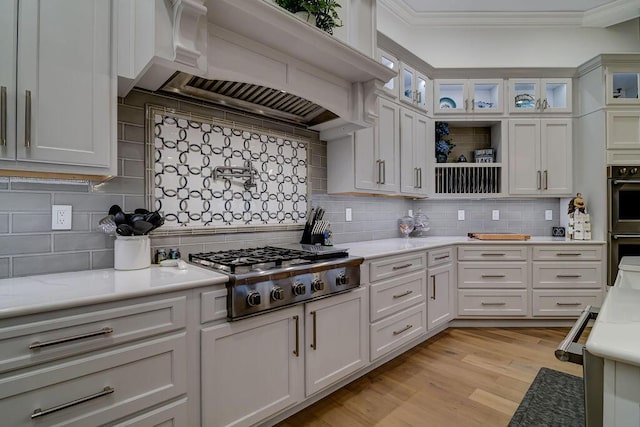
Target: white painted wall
(502, 47)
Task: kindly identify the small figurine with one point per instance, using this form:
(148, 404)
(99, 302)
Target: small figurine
(462, 158)
(577, 204)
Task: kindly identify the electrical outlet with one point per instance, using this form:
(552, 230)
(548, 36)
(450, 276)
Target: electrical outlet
(61, 217)
(548, 215)
(347, 215)
(411, 213)
(495, 215)
(460, 215)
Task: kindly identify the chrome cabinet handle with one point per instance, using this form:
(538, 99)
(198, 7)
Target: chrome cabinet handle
(27, 119)
(537, 104)
(400, 267)
(433, 283)
(314, 343)
(296, 352)
(545, 179)
(492, 254)
(466, 104)
(493, 303)
(406, 328)
(415, 176)
(539, 181)
(3, 116)
(569, 350)
(37, 344)
(568, 276)
(493, 276)
(545, 104)
(42, 412)
(404, 294)
(384, 172)
(567, 303)
(568, 254)
(473, 104)
(420, 175)
(438, 258)
(379, 164)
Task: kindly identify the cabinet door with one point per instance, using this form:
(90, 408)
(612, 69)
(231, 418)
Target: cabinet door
(524, 96)
(390, 61)
(387, 138)
(556, 151)
(440, 295)
(423, 92)
(525, 176)
(622, 84)
(623, 130)
(337, 338)
(366, 160)
(66, 89)
(409, 174)
(450, 96)
(555, 95)
(8, 37)
(486, 95)
(250, 369)
(422, 147)
(407, 84)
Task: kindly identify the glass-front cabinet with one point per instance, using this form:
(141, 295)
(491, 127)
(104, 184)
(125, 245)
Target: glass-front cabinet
(415, 88)
(622, 85)
(390, 61)
(461, 96)
(539, 96)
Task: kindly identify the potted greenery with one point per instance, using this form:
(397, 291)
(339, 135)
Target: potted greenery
(324, 11)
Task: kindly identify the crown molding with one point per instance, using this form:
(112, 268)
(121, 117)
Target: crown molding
(603, 16)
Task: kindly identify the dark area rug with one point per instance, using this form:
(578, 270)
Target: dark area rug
(554, 399)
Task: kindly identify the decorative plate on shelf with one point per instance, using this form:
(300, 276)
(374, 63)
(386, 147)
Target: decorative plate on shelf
(447, 103)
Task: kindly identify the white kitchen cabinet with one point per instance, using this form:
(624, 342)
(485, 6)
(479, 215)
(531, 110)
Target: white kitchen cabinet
(65, 92)
(252, 368)
(8, 46)
(415, 88)
(540, 157)
(623, 130)
(336, 338)
(621, 84)
(391, 62)
(368, 161)
(535, 96)
(416, 131)
(460, 96)
(441, 287)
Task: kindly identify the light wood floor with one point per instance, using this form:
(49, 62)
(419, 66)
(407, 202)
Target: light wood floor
(462, 377)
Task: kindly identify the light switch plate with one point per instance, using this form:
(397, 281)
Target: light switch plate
(347, 215)
(460, 215)
(495, 215)
(548, 215)
(61, 217)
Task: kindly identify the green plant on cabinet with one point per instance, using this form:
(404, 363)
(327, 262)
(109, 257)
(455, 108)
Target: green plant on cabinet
(324, 11)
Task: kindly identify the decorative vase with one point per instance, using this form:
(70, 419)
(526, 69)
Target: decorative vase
(306, 17)
(441, 158)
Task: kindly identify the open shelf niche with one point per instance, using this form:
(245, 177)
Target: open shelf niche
(483, 144)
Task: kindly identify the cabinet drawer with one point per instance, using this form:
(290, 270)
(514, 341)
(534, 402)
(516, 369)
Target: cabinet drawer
(37, 339)
(492, 275)
(492, 253)
(394, 331)
(392, 296)
(567, 253)
(440, 256)
(492, 302)
(173, 414)
(567, 275)
(138, 377)
(564, 303)
(394, 266)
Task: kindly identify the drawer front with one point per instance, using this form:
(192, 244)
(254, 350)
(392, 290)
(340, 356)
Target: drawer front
(139, 376)
(173, 414)
(512, 275)
(213, 305)
(567, 302)
(493, 303)
(395, 266)
(394, 331)
(567, 275)
(394, 295)
(567, 253)
(438, 257)
(492, 253)
(40, 340)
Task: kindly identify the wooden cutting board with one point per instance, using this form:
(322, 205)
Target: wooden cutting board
(499, 236)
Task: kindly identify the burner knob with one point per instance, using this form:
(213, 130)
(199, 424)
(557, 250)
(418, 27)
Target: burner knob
(622, 171)
(342, 279)
(299, 289)
(633, 171)
(277, 294)
(317, 285)
(253, 299)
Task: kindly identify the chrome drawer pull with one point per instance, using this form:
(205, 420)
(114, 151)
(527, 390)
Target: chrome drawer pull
(492, 254)
(27, 119)
(568, 254)
(568, 276)
(296, 352)
(438, 258)
(567, 303)
(406, 328)
(40, 412)
(400, 267)
(38, 344)
(493, 276)
(3, 116)
(404, 294)
(314, 344)
(493, 303)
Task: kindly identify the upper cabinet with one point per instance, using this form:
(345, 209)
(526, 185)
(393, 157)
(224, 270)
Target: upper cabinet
(416, 132)
(622, 85)
(391, 62)
(459, 96)
(59, 114)
(535, 96)
(415, 88)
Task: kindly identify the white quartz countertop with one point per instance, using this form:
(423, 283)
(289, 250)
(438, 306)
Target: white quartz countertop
(32, 294)
(385, 247)
(615, 332)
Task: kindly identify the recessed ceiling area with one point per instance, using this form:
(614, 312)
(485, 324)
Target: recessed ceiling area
(426, 6)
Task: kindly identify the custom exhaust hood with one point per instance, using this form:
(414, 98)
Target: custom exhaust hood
(255, 56)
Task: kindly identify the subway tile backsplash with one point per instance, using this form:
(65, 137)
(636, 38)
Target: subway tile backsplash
(28, 246)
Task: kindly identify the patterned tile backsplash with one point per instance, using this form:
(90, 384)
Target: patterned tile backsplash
(28, 246)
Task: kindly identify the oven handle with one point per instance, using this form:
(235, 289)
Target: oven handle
(625, 236)
(626, 181)
(569, 350)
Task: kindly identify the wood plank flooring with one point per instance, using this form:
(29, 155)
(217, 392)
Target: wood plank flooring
(461, 377)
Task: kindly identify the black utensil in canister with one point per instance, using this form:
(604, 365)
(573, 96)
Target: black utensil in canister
(154, 218)
(142, 227)
(124, 230)
(114, 209)
(136, 217)
(120, 218)
(141, 211)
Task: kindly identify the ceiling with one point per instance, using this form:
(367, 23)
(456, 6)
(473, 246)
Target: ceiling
(425, 6)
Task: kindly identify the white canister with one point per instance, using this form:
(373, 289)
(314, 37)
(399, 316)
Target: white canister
(132, 252)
